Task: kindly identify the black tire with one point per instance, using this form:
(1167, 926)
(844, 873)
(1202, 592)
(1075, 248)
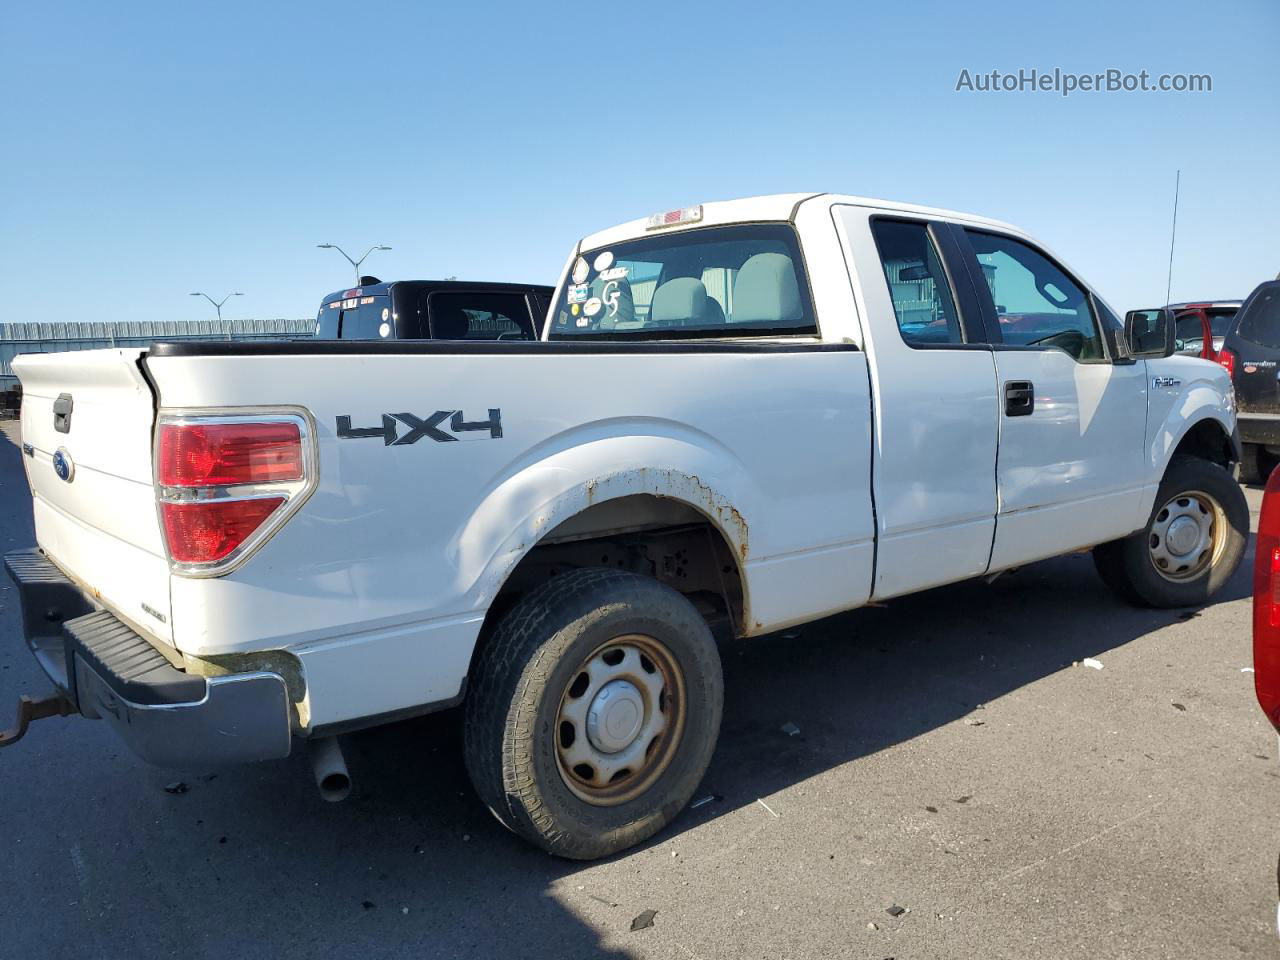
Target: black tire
(1255, 464)
(1126, 565)
(525, 669)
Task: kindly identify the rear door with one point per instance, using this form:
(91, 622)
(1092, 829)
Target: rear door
(86, 436)
(1256, 343)
(1189, 333)
(1072, 458)
(934, 398)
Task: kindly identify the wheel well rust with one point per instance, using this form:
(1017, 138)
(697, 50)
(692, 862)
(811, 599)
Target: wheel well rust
(671, 540)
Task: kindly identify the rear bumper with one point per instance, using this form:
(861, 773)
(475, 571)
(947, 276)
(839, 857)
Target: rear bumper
(109, 672)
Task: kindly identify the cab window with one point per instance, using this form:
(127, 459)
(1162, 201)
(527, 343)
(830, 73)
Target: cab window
(1260, 322)
(742, 280)
(922, 299)
(479, 316)
(1037, 304)
(366, 318)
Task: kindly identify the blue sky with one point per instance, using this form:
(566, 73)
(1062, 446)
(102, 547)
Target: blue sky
(156, 149)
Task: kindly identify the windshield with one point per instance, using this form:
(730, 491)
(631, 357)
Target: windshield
(735, 281)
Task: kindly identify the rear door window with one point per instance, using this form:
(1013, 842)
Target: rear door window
(1260, 319)
(922, 300)
(479, 316)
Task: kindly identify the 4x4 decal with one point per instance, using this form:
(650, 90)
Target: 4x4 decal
(420, 427)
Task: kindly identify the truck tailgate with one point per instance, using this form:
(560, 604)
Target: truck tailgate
(97, 518)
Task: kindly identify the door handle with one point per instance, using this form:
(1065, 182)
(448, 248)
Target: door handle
(1019, 398)
(62, 413)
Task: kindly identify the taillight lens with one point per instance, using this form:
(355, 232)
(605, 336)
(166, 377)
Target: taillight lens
(226, 454)
(1266, 603)
(1228, 360)
(225, 484)
(201, 532)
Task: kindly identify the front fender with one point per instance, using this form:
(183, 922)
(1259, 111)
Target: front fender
(1203, 394)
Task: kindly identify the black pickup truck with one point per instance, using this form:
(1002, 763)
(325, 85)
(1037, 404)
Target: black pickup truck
(434, 310)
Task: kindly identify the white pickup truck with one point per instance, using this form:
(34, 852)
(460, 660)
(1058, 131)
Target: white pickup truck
(754, 413)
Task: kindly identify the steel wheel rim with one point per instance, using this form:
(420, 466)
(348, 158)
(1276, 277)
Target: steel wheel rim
(599, 758)
(1187, 536)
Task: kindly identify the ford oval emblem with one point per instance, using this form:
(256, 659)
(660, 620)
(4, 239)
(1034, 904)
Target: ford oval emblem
(63, 465)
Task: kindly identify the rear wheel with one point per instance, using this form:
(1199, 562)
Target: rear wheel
(1191, 545)
(594, 712)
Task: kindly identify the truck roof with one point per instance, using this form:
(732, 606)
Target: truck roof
(383, 287)
(779, 206)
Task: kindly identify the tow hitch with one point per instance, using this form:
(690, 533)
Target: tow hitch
(28, 710)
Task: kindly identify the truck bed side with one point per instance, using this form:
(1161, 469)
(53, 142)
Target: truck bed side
(413, 529)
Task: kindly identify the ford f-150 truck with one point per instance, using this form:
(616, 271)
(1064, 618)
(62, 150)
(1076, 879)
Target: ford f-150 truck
(748, 414)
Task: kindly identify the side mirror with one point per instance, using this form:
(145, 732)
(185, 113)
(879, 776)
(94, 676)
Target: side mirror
(1149, 333)
(917, 272)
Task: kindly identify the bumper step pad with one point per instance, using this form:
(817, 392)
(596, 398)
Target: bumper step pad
(137, 670)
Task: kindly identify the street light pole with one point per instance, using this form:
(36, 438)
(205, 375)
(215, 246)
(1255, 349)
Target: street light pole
(217, 305)
(355, 264)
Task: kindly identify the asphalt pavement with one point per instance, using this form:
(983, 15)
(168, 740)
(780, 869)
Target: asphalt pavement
(948, 754)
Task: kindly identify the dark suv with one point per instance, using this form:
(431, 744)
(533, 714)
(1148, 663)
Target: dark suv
(1251, 354)
(434, 310)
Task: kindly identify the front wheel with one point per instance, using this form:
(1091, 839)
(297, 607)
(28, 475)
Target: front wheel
(1191, 545)
(594, 712)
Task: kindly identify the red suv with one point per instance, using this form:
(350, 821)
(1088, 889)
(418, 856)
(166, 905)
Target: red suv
(1266, 612)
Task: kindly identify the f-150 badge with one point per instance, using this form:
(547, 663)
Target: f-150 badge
(442, 426)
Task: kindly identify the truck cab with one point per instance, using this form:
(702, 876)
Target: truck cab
(433, 310)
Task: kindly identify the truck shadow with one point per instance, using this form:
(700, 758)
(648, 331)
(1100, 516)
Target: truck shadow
(413, 865)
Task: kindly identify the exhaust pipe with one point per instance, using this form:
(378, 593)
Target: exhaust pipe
(330, 769)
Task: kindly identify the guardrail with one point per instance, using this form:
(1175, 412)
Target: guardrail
(18, 337)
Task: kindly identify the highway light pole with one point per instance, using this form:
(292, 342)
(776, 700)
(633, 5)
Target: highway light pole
(355, 264)
(217, 305)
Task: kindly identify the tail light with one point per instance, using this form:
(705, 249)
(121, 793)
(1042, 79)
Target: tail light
(224, 485)
(227, 454)
(1228, 360)
(1266, 604)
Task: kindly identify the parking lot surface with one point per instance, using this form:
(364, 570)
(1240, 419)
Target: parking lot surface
(949, 754)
